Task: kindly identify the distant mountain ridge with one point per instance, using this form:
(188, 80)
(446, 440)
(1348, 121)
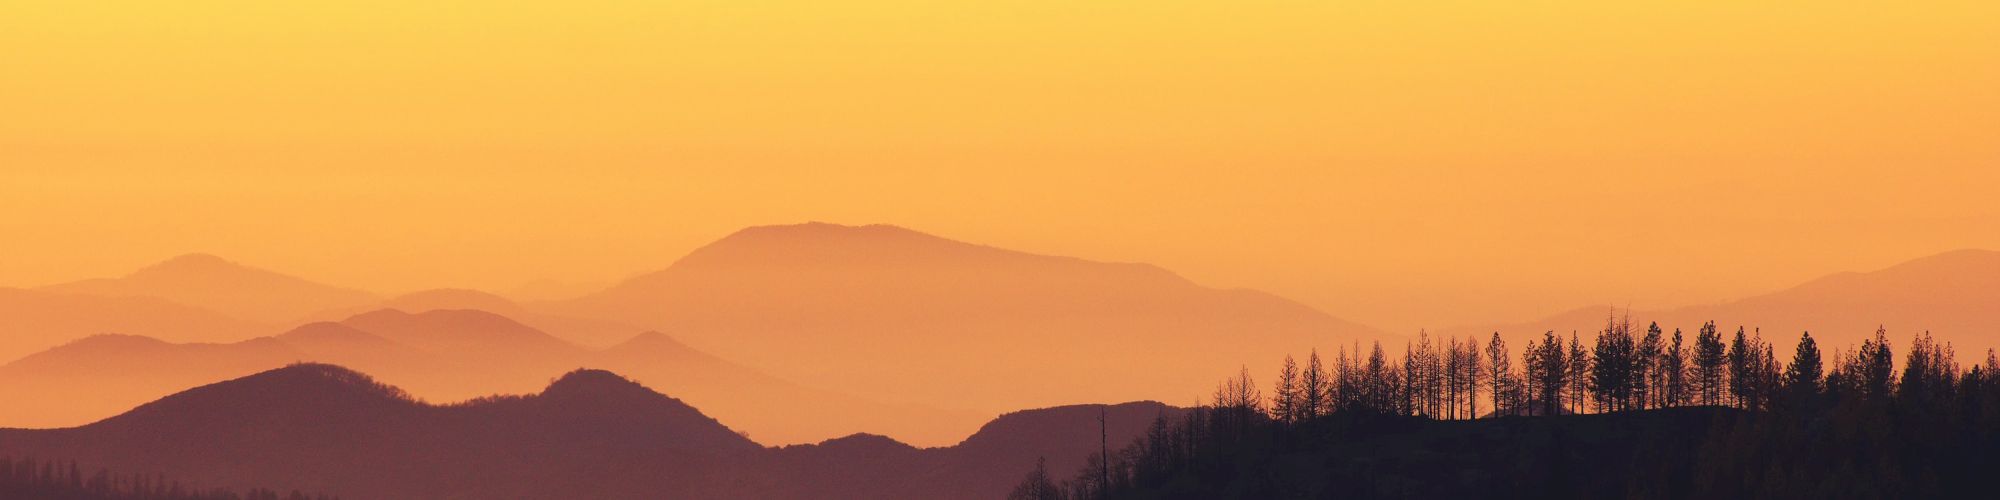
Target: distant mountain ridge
(1953, 295)
(450, 355)
(804, 301)
(211, 282)
(33, 320)
(587, 332)
(587, 434)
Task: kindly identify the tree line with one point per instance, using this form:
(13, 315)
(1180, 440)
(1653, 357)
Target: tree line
(1866, 418)
(59, 480)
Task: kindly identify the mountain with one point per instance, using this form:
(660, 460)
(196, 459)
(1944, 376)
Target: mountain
(32, 320)
(444, 355)
(588, 434)
(930, 316)
(99, 375)
(210, 282)
(582, 331)
(1954, 295)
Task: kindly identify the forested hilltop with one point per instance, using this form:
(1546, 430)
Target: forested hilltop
(1631, 415)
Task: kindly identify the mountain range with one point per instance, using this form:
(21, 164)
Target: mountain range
(217, 284)
(449, 355)
(768, 322)
(934, 317)
(588, 434)
(1954, 295)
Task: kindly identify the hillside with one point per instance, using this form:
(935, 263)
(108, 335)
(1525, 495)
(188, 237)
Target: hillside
(588, 434)
(211, 282)
(447, 355)
(1952, 295)
(32, 321)
(804, 301)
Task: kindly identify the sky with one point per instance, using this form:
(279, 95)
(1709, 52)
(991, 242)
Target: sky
(1400, 164)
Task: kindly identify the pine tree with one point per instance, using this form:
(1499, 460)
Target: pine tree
(1803, 377)
(1674, 361)
(1285, 398)
(1740, 358)
(1876, 366)
(1651, 379)
(1472, 376)
(1314, 389)
(1708, 364)
(1499, 375)
(1579, 373)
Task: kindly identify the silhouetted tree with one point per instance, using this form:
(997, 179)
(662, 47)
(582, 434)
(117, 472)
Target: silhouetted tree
(1876, 366)
(1500, 375)
(1429, 376)
(1469, 358)
(1650, 388)
(1314, 389)
(1579, 374)
(1285, 398)
(1741, 356)
(1709, 359)
(1674, 362)
(1549, 372)
(1611, 371)
(1037, 486)
(1802, 376)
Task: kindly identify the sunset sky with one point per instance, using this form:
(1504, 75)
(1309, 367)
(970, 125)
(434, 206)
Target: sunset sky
(1400, 164)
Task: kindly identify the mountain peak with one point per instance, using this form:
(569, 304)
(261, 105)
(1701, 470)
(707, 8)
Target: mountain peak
(211, 282)
(196, 260)
(1954, 261)
(591, 381)
(297, 392)
(813, 234)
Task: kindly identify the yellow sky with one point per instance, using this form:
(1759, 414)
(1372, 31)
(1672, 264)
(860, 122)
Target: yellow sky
(1396, 163)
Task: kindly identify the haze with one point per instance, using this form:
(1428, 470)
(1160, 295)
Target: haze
(1396, 165)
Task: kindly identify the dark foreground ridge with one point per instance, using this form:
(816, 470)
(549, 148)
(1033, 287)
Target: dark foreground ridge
(589, 434)
(1625, 419)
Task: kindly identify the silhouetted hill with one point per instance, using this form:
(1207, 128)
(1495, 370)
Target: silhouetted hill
(1952, 295)
(931, 315)
(100, 375)
(32, 321)
(210, 282)
(445, 355)
(459, 331)
(586, 332)
(588, 434)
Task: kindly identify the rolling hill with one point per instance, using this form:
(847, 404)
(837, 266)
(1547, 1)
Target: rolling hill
(32, 321)
(213, 283)
(1954, 295)
(933, 316)
(588, 434)
(444, 355)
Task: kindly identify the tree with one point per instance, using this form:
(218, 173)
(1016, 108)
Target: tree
(1037, 486)
(1472, 376)
(1550, 372)
(1673, 361)
(1429, 380)
(1708, 361)
(1611, 372)
(1651, 379)
(1876, 364)
(1285, 398)
(1499, 375)
(1741, 356)
(1314, 389)
(1379, 387)
(1803, 374)
(1579, 373)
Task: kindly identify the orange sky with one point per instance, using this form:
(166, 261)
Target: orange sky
(1396, 164)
